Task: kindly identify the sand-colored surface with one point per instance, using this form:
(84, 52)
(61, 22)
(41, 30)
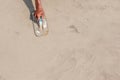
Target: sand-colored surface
(83, 41)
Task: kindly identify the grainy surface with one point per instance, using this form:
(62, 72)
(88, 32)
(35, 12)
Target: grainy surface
(83, 41)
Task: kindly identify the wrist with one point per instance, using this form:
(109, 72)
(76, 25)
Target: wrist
(39, 9)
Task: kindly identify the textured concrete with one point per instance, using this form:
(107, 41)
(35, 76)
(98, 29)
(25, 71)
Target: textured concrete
(83, 41)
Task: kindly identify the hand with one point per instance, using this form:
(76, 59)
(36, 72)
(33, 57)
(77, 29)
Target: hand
(38, 13)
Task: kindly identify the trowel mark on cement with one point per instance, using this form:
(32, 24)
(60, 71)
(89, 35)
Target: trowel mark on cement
(74, 28)
(1, 78)
(64, 63)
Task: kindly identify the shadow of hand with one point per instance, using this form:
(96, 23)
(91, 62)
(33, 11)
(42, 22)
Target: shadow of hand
(30, 6)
